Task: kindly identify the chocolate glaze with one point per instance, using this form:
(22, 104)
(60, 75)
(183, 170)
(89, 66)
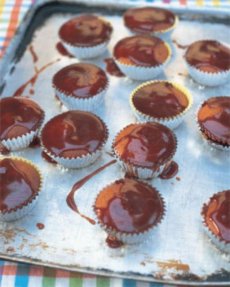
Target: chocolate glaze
(129, 206)
(141, 51)
(62, 50)
(148, 19)
(40, 226)
(18, 117)
(70, 198)
(20, 183)
(74, 134)
(208, 56)
(145, 145)
(169, 171)
(80, 80)
(47, 158)
(214, 119)
(217, 215)
(86, 30)
(112, 68)
(160, 100)
(113, 242)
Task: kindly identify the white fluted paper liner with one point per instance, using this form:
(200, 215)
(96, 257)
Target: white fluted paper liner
(170, 122)
(132, 238)
(23, 210)
(142, 73)
(85, 104)
(208, 79)
(86, 52)
(20, 142)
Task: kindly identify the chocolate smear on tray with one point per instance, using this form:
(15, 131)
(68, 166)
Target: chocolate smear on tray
(40, 226)
(113, 242)
(33, 54)
(180, 46)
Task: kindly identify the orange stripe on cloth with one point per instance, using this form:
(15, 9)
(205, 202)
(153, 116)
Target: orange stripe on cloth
(12, 23)
(10, 269)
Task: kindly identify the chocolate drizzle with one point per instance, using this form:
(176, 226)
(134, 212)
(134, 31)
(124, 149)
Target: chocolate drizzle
(141, 51)
(40, 226)
(74, 134)
(47, 158)
(86, 30)
(80, 80)
(62, 50)
(20, 182)
(149, 19)
(112, 68)
(169, 171)
(208, 56)
(70, 198)
(160, 100)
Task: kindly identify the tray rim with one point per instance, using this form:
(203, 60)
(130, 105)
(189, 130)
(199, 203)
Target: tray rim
(4, 69)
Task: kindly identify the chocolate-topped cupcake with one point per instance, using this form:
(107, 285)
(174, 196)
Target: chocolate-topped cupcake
(74, 139)
(81, 86)
(86, 36)
(129, 209)
(214, 121)
(144, 149)
(141, 57)
(21, 119)
(208, 62)
(161, 101)
(216, 219)
(150, 20)
(21, 184)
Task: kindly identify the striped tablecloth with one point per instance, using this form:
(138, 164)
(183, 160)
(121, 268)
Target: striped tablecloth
(23, 275)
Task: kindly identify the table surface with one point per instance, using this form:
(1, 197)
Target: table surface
(22, 275)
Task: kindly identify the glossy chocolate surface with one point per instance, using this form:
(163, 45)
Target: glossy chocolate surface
(129, 206)
(149, 19)
(18, 117)
(146, 145)
(80, 80)
(86, 30)
(20, 182)
(208, 56)
(74, 134)
(214, 119)
(160, 100)
(217, 215)
(141, 51)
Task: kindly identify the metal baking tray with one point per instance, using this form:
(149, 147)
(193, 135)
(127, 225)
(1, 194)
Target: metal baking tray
(180, 253)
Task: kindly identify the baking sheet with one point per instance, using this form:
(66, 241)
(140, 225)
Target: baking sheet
(180, 251)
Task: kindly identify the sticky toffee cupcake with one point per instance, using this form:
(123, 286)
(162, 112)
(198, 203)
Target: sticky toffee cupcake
(144, 149)
(81, 86)
(208, 62)
(86, 36)
(21, 183)
(129, 210)
(74, 139)
(21, 119)
(141, 57)
(161, 101)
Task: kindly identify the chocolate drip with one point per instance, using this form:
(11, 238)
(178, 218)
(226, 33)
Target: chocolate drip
(62, 50)
(169, 171)
(112, 68)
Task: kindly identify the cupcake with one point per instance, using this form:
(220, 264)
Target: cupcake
(161, 101)
(216, 219)
(213, 119)
(144, 149)
(150, 20)
(74, 139)
(129, 210)
(208, 62)
(141, 57)
(21, 119)
(81, 86)
(21, 183)
(85, 36)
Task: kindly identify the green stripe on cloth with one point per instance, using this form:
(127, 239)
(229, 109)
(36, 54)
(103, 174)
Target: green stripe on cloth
(103, 282)
(75, 282)
(49, 277)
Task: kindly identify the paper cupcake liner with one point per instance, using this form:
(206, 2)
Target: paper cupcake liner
(217, 241)
(25, 208)
(208, 79)
(85, 104)
(86, 52)
(170, 122)
(142, 73)
(139, 171)
(132, 238)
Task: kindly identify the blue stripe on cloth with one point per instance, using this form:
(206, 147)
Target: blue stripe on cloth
(1, 271)
(22, 276)
(129, 283)
(155, 285)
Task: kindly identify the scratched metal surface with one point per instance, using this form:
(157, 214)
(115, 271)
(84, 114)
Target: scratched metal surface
(180, 250)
